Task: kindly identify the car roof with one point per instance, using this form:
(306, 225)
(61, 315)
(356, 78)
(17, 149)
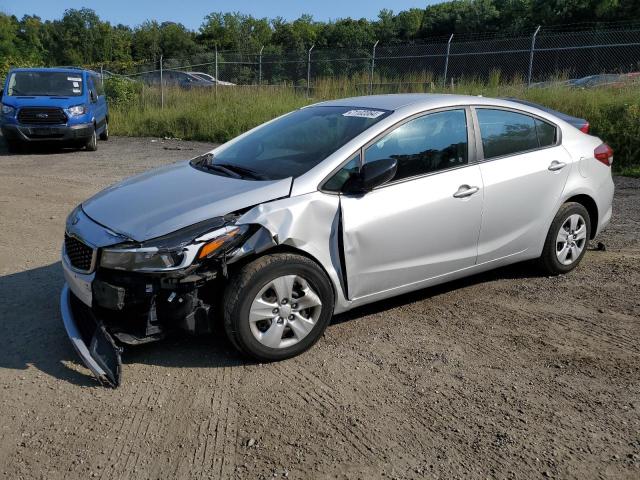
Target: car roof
(415, 100)
(54, 69)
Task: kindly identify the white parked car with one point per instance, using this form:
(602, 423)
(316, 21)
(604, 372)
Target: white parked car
(210, 78)
(327, 208)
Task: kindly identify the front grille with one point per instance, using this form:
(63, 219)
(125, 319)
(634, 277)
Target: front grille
(80, 255)
(41, 116)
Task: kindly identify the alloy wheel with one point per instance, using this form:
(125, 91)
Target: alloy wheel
(284, 312)
(571, 239)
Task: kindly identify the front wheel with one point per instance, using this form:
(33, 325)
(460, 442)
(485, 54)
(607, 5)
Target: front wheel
(92, 142)
(567, 239)
(13, 146)
(277, 306)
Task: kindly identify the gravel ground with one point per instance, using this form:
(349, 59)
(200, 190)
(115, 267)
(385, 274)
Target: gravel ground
(503, 375)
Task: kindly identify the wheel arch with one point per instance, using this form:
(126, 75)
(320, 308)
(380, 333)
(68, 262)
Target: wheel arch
(284, 248)
(592, 209)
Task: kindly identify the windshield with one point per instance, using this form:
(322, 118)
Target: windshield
(295, 143)
(40, 83)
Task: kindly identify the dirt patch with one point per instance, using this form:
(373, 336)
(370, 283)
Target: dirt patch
(503, 375)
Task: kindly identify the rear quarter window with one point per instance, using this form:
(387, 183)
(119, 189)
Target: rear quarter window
(547, 133)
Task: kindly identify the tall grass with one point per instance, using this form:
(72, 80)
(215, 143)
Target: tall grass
(614, 113)
(202, 114)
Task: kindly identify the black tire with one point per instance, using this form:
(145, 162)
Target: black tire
(245, 284)
(14, 146)
(92, 142)
(549, 261)
(104, 136)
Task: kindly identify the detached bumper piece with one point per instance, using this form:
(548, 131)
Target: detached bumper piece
(91, 340)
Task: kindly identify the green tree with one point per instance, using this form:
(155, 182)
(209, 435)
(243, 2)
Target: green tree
(8, 35)
(235, 31)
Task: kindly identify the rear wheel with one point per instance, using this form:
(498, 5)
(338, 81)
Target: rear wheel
(567, 239)
(277, 306)
(105, 133)
(92, 142)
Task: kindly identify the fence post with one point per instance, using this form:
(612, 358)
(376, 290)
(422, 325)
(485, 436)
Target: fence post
(260, 67)
(446, 62)
(533, 47)
(161, 86)
(373, 65)
(309, 71)
(102, 75)
(217, 79)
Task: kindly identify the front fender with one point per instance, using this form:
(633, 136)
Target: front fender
(308, 223)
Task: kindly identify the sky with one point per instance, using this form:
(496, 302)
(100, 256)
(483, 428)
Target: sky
(191, 12)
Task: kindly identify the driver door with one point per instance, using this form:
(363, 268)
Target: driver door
(425, 222)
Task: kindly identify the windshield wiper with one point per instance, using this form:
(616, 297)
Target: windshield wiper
(243, 171)
(220, 168)
(206, 161)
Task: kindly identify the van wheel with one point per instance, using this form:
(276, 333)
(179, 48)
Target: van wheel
(105, 133)
(567, 239)
(92, 143)
(13, 146)
(277, 306)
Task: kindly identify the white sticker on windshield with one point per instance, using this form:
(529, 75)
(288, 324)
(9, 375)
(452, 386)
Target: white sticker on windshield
(77, 90)
(76, 84)
(74, 79)
(363, 113)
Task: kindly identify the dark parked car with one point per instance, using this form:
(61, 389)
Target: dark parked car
(175, 78)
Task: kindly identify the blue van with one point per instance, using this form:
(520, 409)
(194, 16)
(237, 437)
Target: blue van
(53, 104)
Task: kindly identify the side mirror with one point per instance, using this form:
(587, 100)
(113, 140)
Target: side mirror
(1, 93)
(371, 175)
(92, 96)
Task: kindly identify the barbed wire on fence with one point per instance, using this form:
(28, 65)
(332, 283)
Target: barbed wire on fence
(536, 56)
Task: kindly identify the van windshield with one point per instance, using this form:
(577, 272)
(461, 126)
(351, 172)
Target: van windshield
(41, 83)
(295, 143)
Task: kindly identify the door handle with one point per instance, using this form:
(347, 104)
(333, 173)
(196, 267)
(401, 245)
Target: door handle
(465, 191)
(556, 165)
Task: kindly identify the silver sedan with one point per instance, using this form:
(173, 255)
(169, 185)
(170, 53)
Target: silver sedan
(327, 208)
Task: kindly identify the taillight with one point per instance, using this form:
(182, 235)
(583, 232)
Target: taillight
(585, 128)
(604, 154)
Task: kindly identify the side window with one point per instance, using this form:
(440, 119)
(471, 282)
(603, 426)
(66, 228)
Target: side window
(91, 87)
(426, 144)
(506, 133)
(546, 133)
(97, 84)
(335, 183)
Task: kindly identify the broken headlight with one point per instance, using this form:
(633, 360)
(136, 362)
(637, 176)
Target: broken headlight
(172, 252)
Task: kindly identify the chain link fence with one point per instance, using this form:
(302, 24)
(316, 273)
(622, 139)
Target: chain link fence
(534, 57)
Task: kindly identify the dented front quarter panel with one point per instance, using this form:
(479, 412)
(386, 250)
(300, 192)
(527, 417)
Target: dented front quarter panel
(309, 223)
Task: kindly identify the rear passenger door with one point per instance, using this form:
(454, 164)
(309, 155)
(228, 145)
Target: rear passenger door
(524, 169)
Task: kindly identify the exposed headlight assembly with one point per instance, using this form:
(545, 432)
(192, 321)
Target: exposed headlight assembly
(8, 110)
(173, 252)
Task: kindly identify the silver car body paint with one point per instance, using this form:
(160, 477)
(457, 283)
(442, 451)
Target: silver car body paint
(400, 237)
(414, 234)
(164, 200)
(308, 223)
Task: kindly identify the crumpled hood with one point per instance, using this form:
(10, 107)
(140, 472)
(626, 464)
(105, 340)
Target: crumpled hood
(167, 199)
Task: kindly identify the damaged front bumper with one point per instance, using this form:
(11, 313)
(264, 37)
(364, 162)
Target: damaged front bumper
(90, 339)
